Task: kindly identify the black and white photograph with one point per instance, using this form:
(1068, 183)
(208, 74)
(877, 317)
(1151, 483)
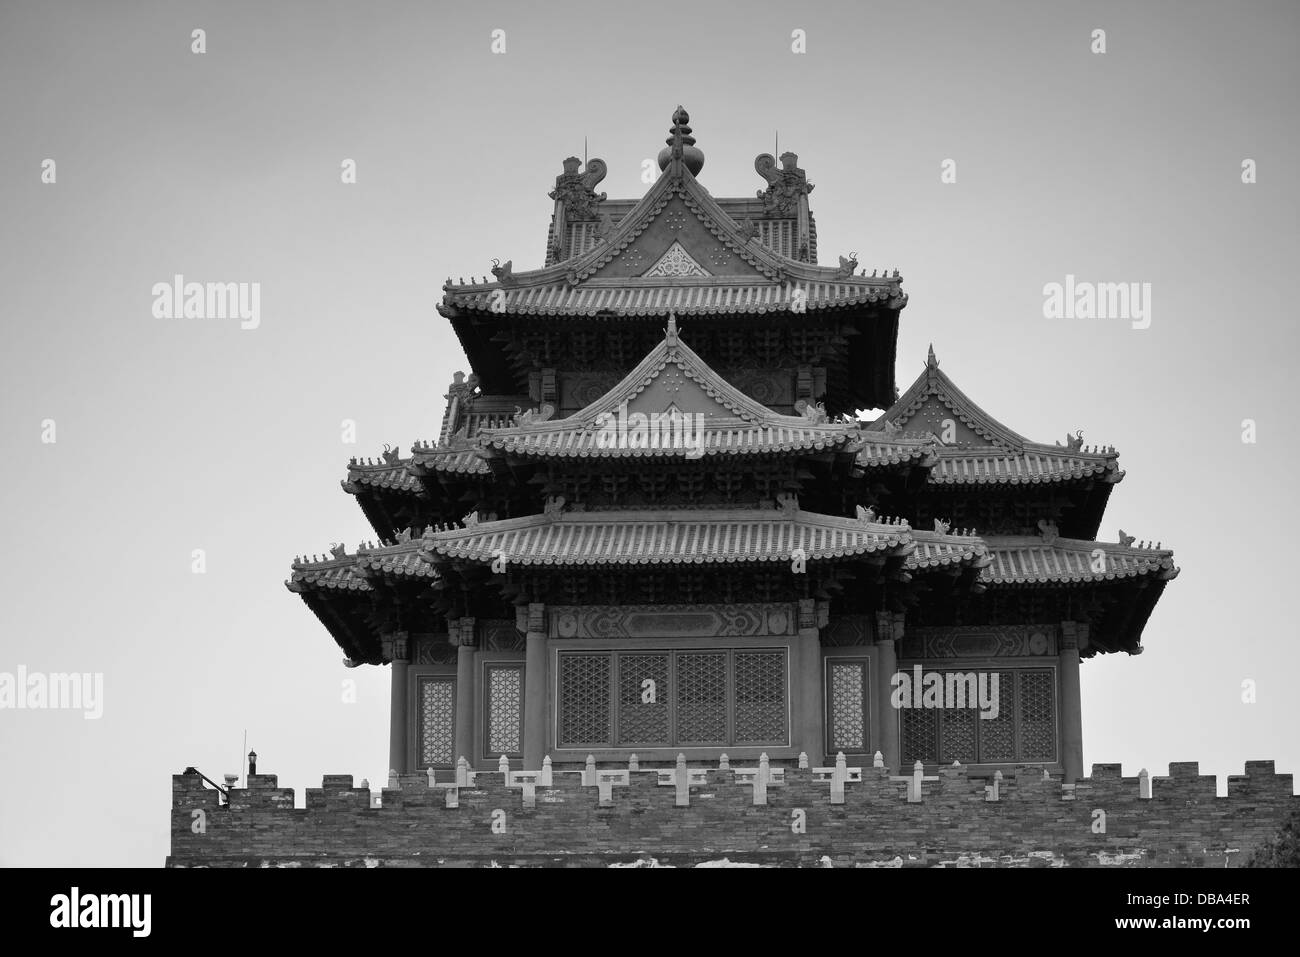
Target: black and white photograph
(545, 437)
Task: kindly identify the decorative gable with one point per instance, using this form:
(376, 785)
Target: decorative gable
(934, 404)
(938, 416)
(676, 262)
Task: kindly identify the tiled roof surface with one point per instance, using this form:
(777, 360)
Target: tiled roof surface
(682, 297)
(395, 561)
(878, 452)
(994, 465)
(463, 460)
(389, 475)
(630, 538)
(1032, 560)
(331, 575)
(934, 550)
(593, 538)
(736, 440)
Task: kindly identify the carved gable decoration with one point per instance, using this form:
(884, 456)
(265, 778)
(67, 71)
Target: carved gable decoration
(944, 421)
(676, 262)
(672, 388)
(675, 238)
(933, 403)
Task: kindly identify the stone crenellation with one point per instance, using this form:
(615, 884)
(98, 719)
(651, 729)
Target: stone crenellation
(592, 816)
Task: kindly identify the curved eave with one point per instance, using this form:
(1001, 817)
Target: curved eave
(576, 444)
(1030, 562)
(645, 538)
(630, 301)
(454, 461)
(388, 477)
(1036, 465)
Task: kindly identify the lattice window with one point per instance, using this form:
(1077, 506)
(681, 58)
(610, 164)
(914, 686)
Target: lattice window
(919, 729)
(847, 709)
(505, 710)
(584, 705)
(1024, 730)
(437, 722)
(643, 699)
(702, 698)
(760, 696)
(998, 735)
(1037, 703)
(670, 698)
(957, 735)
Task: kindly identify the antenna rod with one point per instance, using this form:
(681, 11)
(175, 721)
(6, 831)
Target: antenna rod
(240, 765)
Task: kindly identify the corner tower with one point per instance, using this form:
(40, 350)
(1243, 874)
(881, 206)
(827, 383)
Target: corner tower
(651, 521)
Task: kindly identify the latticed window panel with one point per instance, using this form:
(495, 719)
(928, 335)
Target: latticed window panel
(702, 698)
(505, 710)
(997, 736)
(847, 711)
(585, 715)
(643, 700)
(919, 732)
(437, 722)
(957, 735)
(1036, 700)
(760, 697)
(1024, 729)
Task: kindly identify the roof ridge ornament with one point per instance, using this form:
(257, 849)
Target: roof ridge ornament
(670, 333)
(681, 150)
(1049, 531)
(1073, 441)
(576, 199)
(930, 361)
(504, 274)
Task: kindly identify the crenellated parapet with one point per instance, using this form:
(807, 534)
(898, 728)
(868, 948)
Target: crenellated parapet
(797, 815)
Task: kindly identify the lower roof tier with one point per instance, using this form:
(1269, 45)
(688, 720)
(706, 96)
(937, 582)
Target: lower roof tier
(559, 539)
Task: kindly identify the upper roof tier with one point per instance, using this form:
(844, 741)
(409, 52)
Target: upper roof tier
(680, 250)
(736, 251)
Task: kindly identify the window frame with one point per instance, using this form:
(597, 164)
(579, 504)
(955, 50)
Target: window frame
(1017, 666)
(673, 650)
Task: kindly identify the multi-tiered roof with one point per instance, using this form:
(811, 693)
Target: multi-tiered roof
(934, 507)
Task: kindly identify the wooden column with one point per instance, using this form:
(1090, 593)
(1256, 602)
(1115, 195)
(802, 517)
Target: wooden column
(889, 628)
(1073, 634)
(536, 680)
(399, 715)
(808, 735)
(461, 633)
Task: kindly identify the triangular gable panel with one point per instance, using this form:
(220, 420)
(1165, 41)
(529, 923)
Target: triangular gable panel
(937, 416)
(677, 225)
(676, 263)
(933, 403)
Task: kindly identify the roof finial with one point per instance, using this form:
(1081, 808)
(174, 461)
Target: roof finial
(670, 334)
(930, 361)
(681, 145)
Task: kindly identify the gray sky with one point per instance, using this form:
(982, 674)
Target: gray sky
(174, 435)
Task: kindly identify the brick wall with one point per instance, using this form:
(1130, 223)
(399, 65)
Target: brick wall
(1034, 822)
